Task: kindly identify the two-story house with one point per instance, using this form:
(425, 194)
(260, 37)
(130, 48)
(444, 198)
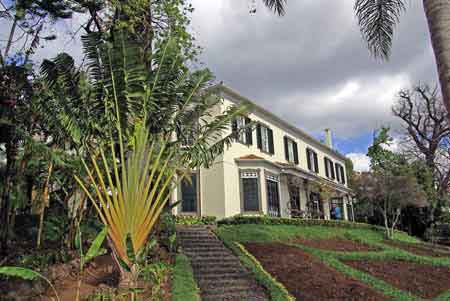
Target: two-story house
(272, 168)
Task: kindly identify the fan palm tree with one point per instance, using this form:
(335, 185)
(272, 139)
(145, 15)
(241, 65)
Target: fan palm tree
(377, 20)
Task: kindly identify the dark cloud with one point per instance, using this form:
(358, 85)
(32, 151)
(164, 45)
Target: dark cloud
(312, 66)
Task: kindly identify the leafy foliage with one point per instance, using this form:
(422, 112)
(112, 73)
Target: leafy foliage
(27, 274)
(377, 19)
(19, 272)
(96, 247)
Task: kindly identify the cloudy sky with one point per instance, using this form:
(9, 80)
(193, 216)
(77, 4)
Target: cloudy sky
(310, 67)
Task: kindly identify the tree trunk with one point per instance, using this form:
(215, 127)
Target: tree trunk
(5, 205)
(438, 16)
(45, 201)
(10, 38)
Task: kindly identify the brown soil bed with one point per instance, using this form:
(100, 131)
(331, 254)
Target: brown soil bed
(306, 277)
(99, 278)
(335, 244)
(421, 249)
(423, 280)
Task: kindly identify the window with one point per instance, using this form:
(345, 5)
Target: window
(340, 173)
(290, 150)
(329, 168)
(242, 136)
(273, 197)
(189, 195)
(265, 138)
(337, 208)
(250, 191)
(313, 163)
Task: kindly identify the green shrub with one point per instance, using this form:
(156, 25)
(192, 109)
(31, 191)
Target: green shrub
(265, 220)
(167, 231)
(195, 220)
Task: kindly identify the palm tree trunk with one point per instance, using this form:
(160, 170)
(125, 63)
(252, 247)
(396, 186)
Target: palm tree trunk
(45, 201)
(438, 16)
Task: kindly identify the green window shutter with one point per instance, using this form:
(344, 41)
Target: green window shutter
(286, 148)
(342, 175)
(308, 159)
(234, 128)
(270, 138)
(248, 132)
(332, 170)
(316, 163)
(295, 153)
(258, 136)
(338, 176)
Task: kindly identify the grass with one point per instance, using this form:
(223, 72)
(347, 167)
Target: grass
(184, 287)
(285, 233)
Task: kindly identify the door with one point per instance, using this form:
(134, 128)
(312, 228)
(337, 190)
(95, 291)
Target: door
(189, 195)
(273, 197)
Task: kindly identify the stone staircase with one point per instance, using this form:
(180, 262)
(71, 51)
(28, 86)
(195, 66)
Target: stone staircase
(218, 272)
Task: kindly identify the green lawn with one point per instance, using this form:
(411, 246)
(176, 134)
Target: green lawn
(283, 233)
(184, 287)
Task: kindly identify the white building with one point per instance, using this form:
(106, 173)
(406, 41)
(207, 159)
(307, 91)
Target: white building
(273, 169)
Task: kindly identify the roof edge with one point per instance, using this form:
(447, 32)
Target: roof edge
(223, 88)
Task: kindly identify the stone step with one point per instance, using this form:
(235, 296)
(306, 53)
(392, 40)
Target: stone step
(217, 270)
(215, 244)
(213, 284)
(228, 275)
(203, 248)
(224, 291)
(207, 254)
(213, 259)
(233, 297)
(197, 239)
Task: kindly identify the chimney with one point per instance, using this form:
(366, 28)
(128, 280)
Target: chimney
(328, 138)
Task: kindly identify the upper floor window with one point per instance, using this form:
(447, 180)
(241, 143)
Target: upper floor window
(313, 163)
(329, 168)
(290, 150)
(340, 173)
(243, 136)
(264, 136)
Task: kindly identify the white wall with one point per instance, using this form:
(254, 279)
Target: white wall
(238, 149)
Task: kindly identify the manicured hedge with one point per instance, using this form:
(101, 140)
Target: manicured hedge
(195, 220)
(265, 220)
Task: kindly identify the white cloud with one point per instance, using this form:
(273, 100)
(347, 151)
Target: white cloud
(357, 106)
(361, 162)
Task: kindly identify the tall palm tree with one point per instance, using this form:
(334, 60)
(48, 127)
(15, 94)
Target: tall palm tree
(377, 20)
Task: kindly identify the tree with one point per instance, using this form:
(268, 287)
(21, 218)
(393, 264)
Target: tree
(138, 165)
(146, 22)
(389, 194)
(350, 172)
(377, 20)
(386, 164)
(15, 73)
(426, 132)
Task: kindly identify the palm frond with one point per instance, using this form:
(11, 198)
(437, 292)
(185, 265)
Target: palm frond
(278, 6)
(377, 20)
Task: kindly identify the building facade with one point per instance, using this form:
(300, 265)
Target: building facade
(272, 168)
